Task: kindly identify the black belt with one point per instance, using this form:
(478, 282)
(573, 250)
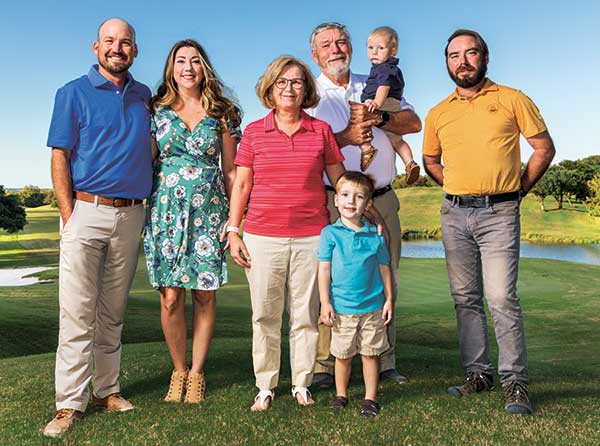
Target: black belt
(466, 201)
(376, 192)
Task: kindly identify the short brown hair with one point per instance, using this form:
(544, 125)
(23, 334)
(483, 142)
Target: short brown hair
(388, 32)
(359, 179)
(467, 32)
(264, 87)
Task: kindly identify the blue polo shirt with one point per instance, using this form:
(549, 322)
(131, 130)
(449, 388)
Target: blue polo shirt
(355, 256)
(108, 134)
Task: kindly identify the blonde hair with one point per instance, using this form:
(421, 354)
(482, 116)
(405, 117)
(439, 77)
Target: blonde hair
(359, 179)
(388, 32)
(213, 97)
(264, 87)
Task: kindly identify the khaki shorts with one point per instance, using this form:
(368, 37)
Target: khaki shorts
(358, 333)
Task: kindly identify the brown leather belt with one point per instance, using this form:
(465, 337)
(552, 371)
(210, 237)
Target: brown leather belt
(105, 201)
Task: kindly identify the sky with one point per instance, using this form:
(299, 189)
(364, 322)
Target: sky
(548, 49)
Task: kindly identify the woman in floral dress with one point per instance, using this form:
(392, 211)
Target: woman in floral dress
(195, 129)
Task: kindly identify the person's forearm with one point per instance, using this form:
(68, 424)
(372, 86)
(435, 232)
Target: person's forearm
(403, 122)
(324, 282)
(386, 276)
(239, 199)
(433, 167)
(62, 183)
(539, 161)
(381, 94)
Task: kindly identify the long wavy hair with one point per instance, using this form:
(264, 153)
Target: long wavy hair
(213, 94)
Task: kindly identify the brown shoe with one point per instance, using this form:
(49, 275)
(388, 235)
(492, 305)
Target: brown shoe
(196, 388)
(367, 157)
(113, 403)
(412, 172)
(176, 386)
(61, 422)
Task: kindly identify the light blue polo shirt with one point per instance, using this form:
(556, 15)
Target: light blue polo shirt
(108, 134)
(355, 256)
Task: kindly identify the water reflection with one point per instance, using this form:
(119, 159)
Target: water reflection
(590, 253)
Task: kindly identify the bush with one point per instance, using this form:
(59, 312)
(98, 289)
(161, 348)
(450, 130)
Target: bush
(423, 181)
(32, 196)
(12, 214)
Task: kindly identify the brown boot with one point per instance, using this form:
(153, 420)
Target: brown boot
(61, 422)
(177, 386)
(196, 388)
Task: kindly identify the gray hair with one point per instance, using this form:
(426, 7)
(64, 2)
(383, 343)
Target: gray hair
(329, 25)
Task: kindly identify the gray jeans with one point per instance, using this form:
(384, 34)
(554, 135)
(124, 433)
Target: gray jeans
(482, 257)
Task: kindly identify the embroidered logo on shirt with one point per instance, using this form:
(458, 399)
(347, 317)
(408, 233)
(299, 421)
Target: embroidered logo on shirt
(492, 108)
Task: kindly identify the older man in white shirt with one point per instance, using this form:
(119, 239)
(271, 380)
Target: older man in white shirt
(340, 91)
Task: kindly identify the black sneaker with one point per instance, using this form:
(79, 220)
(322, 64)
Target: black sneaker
(517, 398)
(322, 381)
(370, 408)
(339, 403)
(475, 382)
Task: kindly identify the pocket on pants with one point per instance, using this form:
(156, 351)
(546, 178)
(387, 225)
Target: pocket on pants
(70, 221)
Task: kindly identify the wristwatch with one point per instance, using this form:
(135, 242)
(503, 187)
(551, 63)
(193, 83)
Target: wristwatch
(385, 117)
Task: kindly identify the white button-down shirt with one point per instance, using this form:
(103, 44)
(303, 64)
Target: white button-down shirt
(334, 109)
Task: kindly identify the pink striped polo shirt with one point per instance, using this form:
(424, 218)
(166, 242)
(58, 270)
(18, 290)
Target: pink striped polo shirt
(288, 196)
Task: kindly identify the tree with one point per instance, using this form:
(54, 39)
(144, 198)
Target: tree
(32, 196)
(50, 198)
(12, 214)
(542, 189)
(592, 204)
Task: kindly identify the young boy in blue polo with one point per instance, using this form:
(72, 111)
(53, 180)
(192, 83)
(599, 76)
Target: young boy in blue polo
(355, 287)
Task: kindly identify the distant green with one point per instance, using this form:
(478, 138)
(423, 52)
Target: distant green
(561, 306)
(420, 218)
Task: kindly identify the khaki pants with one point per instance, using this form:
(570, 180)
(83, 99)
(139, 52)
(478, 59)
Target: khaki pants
(388, 206)
(98, 256)
(280, 265)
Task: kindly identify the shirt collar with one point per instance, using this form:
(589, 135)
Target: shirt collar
(97, 80)
(305, 123)
(488, 85)
(328, 84)
(367, 226)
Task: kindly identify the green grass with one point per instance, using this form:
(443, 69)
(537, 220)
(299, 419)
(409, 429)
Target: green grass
(420, 217)
(561, 306)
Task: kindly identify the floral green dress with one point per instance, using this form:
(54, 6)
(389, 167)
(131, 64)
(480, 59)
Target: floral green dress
(188, 205)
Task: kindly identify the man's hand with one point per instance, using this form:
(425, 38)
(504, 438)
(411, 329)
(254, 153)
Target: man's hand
(387, 313)
(375, 218)
(327, 314)
(358, 131)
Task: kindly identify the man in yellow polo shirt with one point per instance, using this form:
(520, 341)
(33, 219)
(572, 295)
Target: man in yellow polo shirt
(476, 130)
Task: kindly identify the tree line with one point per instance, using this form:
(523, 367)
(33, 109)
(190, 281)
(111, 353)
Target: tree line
(571, 181)
(12, 205)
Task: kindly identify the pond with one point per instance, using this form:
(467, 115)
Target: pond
(590, 253)
(15, 276)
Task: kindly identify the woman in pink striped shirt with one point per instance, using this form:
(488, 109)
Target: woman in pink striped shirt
(280, 164)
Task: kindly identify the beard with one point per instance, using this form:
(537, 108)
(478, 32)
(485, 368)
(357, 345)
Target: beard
(478, 74)
(115, 67)
(341, 67)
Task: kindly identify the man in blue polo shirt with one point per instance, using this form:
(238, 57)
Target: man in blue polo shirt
(101, 172)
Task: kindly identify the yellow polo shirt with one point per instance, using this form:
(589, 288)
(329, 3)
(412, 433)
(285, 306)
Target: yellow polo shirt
(478, 139)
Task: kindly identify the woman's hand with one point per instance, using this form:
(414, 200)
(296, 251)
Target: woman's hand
(237, 249)
(375, 218)
(327, 314)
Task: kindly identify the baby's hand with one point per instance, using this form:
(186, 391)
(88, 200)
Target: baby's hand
(371, 105)
(387, 313)
(327, 314)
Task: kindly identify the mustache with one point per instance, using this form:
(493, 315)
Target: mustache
(465, 68)
(112, 53)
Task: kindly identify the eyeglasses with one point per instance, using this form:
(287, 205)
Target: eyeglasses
(282, 83)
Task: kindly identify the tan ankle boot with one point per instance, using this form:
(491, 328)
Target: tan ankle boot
(196, 388)
(177, 386)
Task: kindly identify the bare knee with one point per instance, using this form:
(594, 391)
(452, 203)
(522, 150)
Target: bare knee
(204, 299)
(172, 300)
